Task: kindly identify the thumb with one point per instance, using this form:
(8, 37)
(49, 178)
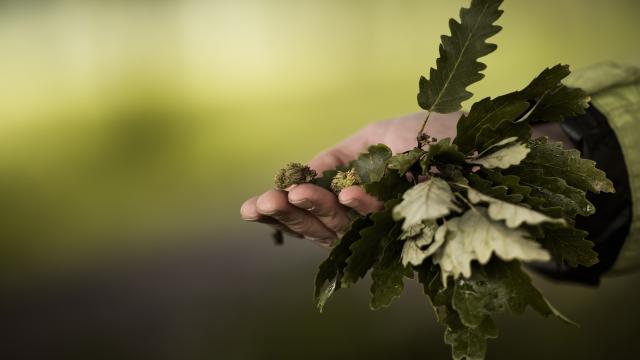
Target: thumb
(356, 198)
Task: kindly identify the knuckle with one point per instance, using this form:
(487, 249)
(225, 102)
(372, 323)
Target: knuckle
(292, 220)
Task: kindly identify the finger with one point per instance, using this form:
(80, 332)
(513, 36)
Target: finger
(356, 198)
(248, 210)
(276, 225)
(275, 204)
(321, 203)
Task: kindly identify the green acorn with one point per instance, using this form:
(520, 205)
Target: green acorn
(344, 179)
(292, 174)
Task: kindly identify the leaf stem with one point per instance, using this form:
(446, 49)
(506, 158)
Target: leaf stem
(424, 123)
(466, 201)
(420, 137)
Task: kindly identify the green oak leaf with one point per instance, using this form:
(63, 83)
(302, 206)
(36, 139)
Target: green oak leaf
(444, 152)
(457, 67)
(547, 79)
(487, 136)
(452, 173)
(554, 161)
(497, 287)
(466, 342)
(552, 100)
(389, 186)
(371, 165)
(520, 292)
(490, 121)
(428, 200)
(555, 193)
(476, 297)
(497, 145)
(470, 343)
(512, 183)
(487, 187)
(404, 161)
(328, 279)
(503, 158)
(366, 251)
(513, 215)
(569, 245)
(558, 103)
(544, 99)
(327, 282)
(388, 273)
(420, 246)
(475, 236)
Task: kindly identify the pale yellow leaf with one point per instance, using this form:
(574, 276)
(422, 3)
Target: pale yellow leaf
(474, 236)
(513, 215)
(503, 158)
(414, 251)
(428, 200)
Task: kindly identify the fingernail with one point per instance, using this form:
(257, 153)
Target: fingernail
(323, 242)
(304, 204)
(351, 202)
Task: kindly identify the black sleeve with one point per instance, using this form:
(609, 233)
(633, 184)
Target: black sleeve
(609, 226)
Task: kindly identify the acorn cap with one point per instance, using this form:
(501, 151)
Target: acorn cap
(344, 179)
(294, 173)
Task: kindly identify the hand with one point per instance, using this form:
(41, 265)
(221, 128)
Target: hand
(309, 211)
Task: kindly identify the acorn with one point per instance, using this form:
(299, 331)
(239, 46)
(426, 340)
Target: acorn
(344, 179)
(292, 174)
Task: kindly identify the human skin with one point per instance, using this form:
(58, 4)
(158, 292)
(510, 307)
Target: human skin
(311, 212)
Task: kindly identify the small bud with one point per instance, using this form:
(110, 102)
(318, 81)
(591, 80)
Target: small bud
(294, 173)
(344, 179)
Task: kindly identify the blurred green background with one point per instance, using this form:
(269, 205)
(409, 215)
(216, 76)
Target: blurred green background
(131, 132)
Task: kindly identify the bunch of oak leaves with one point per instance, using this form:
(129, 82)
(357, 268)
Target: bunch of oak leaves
(462, 215)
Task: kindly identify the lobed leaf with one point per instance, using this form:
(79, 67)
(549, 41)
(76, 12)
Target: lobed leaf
(419, 247)
(489, 188)
(466, 342)
(569, 245)
(444, 152)
(553, 100)
(544, 99)
(497, 287)
(491, 120)
(507, 156)
(403, 162)
(470, 343)
(388, 273)
(371, 165)
(555, 193)
(365, 251)
(513, 215)
(390, 186)
(474, 236)
(328, 279)
(520, 292)
(428, 200)
(457, 67)
(554, 161)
